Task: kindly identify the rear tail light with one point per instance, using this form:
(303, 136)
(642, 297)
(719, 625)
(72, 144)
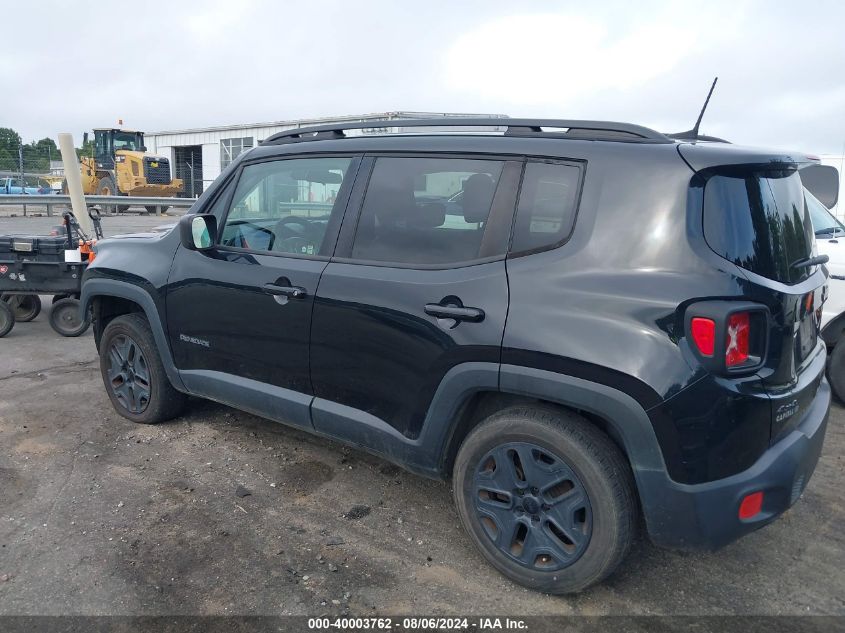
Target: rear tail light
(738, 338)
(704, 335)
(728, 337)
(751, 505)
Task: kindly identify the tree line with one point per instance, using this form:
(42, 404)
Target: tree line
(36, 155)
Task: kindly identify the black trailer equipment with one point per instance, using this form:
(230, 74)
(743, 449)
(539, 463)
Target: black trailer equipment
(33, 265)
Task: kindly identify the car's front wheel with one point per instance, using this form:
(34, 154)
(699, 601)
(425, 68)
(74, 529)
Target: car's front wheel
(547, 498)
(133, 374)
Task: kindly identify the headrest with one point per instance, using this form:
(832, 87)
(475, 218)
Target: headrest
(395, 203)
(428, 215)
(477, 197)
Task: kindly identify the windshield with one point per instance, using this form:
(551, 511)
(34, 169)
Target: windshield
(128, 141)
(823, 221)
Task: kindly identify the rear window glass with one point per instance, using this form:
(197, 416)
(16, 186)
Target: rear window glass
(759, 221)
(546, 209)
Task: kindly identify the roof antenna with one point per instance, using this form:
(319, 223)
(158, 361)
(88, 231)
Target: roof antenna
(692, 135)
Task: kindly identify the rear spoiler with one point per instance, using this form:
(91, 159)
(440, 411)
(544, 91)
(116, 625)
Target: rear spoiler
(823, 182)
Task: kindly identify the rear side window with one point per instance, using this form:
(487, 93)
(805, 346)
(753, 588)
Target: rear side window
(759, 221)
(427, 211)
(547, 203)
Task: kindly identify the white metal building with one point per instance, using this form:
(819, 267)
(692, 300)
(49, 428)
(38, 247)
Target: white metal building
(198, 155)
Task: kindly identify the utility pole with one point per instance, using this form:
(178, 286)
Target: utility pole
(23, 183)
(190, 166)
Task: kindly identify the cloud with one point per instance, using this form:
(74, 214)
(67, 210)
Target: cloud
(780, 66)
(557, 58)
(212, 20)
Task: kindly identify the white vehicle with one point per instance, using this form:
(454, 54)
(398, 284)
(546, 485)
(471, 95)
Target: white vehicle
(830, 241)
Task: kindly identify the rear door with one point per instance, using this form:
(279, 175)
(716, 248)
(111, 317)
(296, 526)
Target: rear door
(417, 287)
(239, 316)
(756, 216)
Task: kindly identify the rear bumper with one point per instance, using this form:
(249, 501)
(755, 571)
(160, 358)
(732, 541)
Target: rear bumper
(705, 516)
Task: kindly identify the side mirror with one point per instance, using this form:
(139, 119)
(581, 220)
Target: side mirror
(198, 232)
(823, 182)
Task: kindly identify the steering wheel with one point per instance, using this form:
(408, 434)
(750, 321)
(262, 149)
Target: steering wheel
(294, 219)
(295, 241)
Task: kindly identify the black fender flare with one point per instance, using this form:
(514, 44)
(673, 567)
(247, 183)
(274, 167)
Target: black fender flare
(113, 288)
(629, 424)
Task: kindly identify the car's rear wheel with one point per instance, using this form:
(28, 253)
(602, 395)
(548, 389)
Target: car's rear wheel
(133, 374)
(546, 497)
(25, 307)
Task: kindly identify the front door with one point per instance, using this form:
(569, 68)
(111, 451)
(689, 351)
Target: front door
(239, 315)
(420, 289)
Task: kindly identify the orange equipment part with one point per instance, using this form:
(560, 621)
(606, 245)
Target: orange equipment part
(86, 249)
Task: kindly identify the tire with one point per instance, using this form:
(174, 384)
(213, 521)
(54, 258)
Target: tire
(151, 209)
(25, 307)
(106, 187)
(561, 515)
(57, 298)
(64, 318)
(836, 369)
(7, 319)
(128, 356)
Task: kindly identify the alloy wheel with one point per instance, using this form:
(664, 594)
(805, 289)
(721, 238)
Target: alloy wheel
(532, 506)
(129, 374)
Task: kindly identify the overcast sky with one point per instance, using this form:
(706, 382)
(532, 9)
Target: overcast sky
(72, 66)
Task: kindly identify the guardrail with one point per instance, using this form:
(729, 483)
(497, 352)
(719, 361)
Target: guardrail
(52, 200)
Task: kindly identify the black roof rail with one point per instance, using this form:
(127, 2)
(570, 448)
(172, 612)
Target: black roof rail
(575, 129)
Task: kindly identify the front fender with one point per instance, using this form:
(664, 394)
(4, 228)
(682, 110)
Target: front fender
(100, 287)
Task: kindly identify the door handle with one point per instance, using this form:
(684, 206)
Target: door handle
(459, 313)
(293, 292)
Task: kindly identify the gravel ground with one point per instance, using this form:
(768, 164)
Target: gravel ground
(220, 512)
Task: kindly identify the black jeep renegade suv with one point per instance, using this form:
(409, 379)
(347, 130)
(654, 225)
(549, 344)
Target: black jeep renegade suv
(576, 326)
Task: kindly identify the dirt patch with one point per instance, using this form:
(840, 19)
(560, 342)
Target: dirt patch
(15, 489)
(31, 446)
(357, 512)
(305, 477)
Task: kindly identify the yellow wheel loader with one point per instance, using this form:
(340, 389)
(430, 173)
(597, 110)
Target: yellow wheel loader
(120, 167)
